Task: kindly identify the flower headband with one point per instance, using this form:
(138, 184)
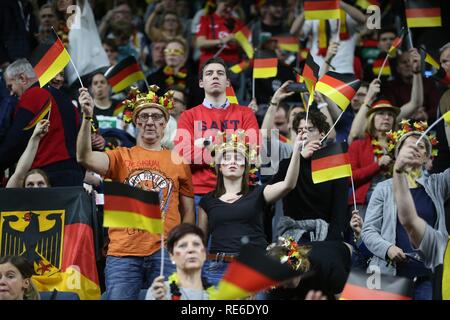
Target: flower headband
(395, 137)
(137, 101)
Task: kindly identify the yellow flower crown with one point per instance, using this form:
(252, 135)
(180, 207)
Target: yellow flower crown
(393, 137)
(137, 101)
(234, 142)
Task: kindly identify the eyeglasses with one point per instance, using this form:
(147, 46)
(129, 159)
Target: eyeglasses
(155, 117)
(310, 129)
(174, 52)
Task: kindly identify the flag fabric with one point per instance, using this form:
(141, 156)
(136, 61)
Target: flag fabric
(442, 76)
(124, 74)
(339, 88)
(241, 66)
(45, 109)
(330, 163)
(57, 231)
(231, 96)
(447, 117)
(310, 75)
(423, 13)
(446, 266)
(251, 272)
(290, 44)
(302, 54)
(395, 44)
(48, 60)
(265, 67)
(390, 287)
(128, 207)
(430, 60)
(243, 37)
(376, 67)
(322, 9)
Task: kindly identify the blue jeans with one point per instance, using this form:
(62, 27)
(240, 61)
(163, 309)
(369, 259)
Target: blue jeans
(126, 276)
(197, 198)
(423, 290)
(214, 271)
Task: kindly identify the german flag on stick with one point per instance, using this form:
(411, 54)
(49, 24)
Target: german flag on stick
(423, 13)
(330, 163)
(48, 60)
(45, 109)
(322, 9)
(241, 66)
(310, 74)
(290, 44)
(430, 60)
(243, 37)
(252, 271)
(339, 88)
(265, 67)
(128, 207)
(231, 96)
(364, 4)
(376, 67)
(389, 287)
(124, 74)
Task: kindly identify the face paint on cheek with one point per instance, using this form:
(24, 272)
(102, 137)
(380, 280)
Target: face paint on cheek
(177, 253)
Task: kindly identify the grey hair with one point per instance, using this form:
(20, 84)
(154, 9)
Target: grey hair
(18, 67)
(444, 47)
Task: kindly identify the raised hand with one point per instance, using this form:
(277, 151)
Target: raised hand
(310, 148)
(41, 128)
(86, 102)
(282, 93)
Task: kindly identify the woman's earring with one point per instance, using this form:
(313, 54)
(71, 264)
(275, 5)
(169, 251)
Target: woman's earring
(173, 262)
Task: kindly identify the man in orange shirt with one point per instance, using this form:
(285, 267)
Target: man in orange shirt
(134, 256)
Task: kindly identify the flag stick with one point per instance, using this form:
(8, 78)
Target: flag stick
(410, 38)
(71, 61)
(220, 50)
(306, 122)
(353, 190)
(429, 128)
(161, 273)
(253, 87)
(334, 124)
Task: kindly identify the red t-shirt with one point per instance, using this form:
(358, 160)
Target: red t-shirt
(214, 27)
(201, 122)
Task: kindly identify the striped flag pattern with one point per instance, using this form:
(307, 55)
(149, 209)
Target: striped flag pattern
(423, 13)
(124, 74)
(128, 207)
(45, 109)
(330, 163)
(339, 88)
(322, 9)
(48, 60)
(265, 67)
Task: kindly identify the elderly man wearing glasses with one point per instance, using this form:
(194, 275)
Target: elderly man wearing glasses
(134, 256)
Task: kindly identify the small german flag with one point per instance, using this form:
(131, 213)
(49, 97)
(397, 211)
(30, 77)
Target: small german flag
(322, 9)
(302, 54)
(330, 163)
(241, 66)
(339, 88)
(124, 74)
(390, 287)
(290, 44)
(243, 37)
(231, 96)
(423, 13)
(128, 207)
(45, 109)
(310, 75)
(376, 67)
(265, 67)
(250, 272)
(395, 44)
(430, 60)
(48, 60)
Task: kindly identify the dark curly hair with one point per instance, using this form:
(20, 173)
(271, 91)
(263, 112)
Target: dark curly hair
(317, 118)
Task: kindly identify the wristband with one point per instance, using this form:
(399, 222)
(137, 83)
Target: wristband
(273, 104)
(399, 171)
(87, 118)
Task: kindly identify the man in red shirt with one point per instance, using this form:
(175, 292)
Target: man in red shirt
(198, 125)
(216, 30)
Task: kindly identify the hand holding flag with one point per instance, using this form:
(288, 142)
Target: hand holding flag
(45, 109)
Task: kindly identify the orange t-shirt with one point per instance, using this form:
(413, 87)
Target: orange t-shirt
(149, 170)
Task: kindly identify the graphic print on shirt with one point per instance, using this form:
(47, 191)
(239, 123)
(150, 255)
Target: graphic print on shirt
(153, 181)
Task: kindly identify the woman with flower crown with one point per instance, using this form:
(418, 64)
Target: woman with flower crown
(410, 193)
(233, 213)
(187, 251)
